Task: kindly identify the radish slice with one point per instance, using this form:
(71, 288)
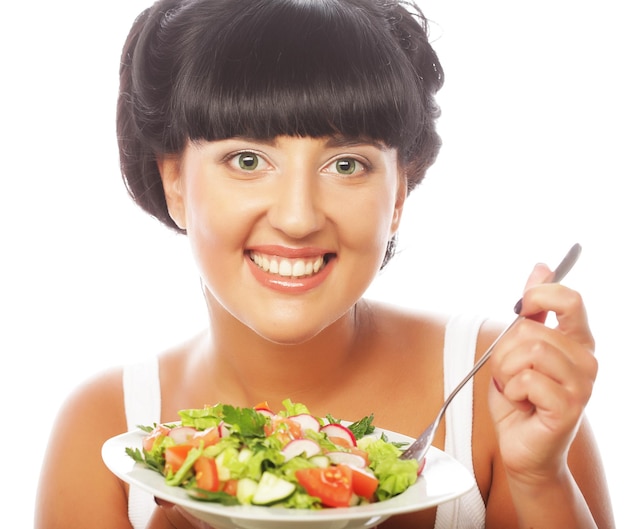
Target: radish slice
(421, 466)
(265, 411)
(306, 421)
(338, 430)
(224, 430)
(347, 458)
(182, 434)
(298, 447)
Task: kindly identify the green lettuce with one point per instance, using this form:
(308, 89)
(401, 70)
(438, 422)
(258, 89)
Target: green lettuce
(394, 475)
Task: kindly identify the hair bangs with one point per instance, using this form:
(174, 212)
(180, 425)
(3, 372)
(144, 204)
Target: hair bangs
(298, 74)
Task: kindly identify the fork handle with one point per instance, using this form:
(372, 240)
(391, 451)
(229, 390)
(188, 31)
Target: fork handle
(559, 273)
(480, 362)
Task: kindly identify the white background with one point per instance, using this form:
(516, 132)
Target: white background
(533, 127)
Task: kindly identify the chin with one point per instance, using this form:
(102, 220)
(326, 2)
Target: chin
(280, 337)
(295, 331)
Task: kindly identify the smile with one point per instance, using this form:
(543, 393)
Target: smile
(284, 267)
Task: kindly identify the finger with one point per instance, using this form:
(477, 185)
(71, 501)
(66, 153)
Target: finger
(540, 355)
(540, 274)
(568, 307)
(558, 409)
(178, 517)
(549, 349)
(531, 345)
(162, 503)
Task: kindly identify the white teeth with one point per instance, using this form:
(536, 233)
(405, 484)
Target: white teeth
(298, 268)
(288, 267)
(285, 268)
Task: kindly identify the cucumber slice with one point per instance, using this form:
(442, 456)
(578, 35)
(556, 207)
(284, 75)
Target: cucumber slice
(246, 488)
(320, 461)
(271, 489)
(223, 472)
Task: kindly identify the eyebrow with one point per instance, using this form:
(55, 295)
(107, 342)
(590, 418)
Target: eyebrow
(350, 141)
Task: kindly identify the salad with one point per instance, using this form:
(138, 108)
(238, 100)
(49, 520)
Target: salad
(290, 459)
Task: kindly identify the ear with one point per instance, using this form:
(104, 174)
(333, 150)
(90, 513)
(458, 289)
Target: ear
(401, 195)
(170, 168)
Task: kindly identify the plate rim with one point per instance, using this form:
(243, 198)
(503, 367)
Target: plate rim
(119, 463)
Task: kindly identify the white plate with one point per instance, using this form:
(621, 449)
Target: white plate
(443, 479)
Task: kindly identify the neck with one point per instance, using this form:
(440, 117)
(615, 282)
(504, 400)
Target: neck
(256, 369)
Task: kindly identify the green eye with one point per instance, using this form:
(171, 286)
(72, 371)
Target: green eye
(346, 166)
(248, 161)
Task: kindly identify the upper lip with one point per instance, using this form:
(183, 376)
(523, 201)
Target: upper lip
(289, 252)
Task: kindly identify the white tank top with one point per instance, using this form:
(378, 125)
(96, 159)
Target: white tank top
(142, 400)
(468, 511)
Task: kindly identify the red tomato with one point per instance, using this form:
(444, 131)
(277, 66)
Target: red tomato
(332, 485)
(175, 457)
(285, 429)
(148, 441)
(206, 474)
(340, 441)
(364, 483)
(230, 487)
(262, 406)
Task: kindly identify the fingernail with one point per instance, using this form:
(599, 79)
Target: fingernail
(497, 385)
(518, 307)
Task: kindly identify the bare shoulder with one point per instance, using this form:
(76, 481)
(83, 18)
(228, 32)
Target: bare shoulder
(91, 414)
(94, 408)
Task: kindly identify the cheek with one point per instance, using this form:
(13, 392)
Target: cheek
(368, 221)
(215, 230)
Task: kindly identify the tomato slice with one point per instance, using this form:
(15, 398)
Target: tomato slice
(364, 483)
(332, 485)
(175, 457)
(284, 429)
(206, 474)
(230, 487)
(340, 441)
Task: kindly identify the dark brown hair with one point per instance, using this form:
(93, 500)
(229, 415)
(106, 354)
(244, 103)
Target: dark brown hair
(214, 69)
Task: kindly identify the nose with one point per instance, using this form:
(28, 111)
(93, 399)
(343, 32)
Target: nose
(296, 205)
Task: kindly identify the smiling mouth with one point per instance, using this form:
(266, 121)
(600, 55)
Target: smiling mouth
(285, 267)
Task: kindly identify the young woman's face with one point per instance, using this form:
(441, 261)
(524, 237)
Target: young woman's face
(288, 233)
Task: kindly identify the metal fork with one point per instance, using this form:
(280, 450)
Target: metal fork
(420, 446)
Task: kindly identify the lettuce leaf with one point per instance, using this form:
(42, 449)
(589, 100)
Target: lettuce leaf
(293, 408)
(245, 421)
(394, 475)
(202, 418)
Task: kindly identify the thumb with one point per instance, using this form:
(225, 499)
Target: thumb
(541, 273)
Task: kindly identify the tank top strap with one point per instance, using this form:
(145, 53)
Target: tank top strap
(142, 402)
(468, 511)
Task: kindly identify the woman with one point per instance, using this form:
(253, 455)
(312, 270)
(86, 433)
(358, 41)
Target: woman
(283, 137)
